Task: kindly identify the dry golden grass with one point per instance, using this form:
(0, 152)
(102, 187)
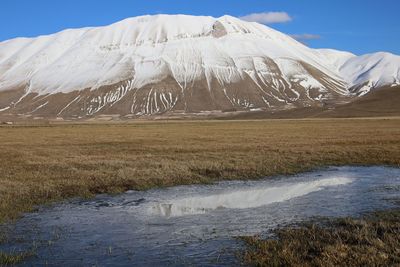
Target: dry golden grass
(14, 259)
(44, 164)
(371, 241)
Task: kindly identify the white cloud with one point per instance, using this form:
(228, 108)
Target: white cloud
(268, 17)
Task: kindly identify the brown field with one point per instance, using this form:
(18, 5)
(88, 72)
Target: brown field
(42, 164)
(373, 240)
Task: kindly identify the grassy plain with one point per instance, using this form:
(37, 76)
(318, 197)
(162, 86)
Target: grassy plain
(43, 164)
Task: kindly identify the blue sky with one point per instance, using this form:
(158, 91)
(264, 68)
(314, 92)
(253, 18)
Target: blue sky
(359, 26)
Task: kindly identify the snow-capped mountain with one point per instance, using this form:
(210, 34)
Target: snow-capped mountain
(363, 73)
(177, 63)
(371, 71)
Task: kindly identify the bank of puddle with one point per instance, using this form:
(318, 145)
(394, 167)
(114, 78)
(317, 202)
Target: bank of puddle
(194, 225)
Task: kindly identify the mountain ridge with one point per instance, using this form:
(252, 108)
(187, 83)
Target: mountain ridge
(179, 63)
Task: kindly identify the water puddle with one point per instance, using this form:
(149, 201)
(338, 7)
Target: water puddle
(255, 197)
(194, 225)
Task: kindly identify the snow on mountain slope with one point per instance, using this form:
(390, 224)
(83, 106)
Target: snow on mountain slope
(335, 58)
(363, 73)
(148, 48)
(372, 71)
(167, 63)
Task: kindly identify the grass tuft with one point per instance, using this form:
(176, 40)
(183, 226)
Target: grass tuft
(9, 259)
(373, 240)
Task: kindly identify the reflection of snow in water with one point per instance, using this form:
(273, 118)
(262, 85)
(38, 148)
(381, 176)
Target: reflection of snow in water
(146, 228)
(243, 198)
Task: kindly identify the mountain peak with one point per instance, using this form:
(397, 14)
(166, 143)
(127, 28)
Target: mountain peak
(161, 63)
